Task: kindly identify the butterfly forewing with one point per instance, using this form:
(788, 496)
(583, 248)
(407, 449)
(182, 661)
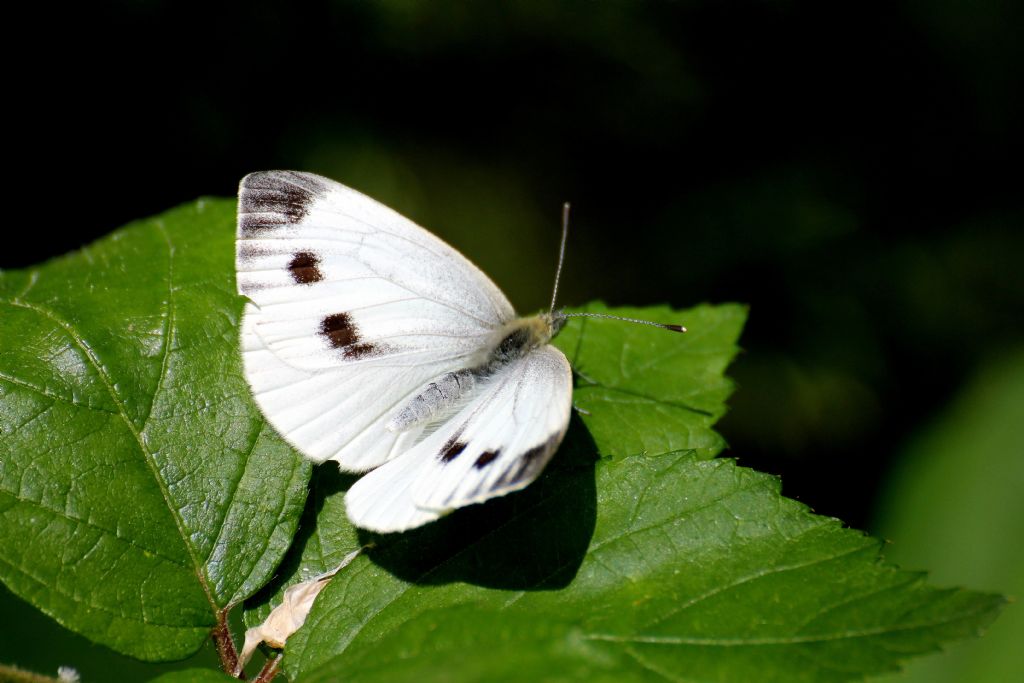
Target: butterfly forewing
(331, 413)
(353, 309)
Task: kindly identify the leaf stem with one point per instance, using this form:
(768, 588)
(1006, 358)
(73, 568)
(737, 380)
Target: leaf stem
(225, 644)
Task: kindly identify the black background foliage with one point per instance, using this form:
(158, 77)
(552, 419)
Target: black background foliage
(850, 170)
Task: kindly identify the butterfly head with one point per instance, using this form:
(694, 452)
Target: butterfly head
(554, 321)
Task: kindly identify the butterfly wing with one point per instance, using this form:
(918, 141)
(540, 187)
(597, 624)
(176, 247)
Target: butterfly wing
(352, 310)
(497, 443)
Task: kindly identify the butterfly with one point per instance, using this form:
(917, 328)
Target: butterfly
(369, 341)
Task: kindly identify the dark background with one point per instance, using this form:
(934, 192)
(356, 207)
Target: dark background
(852, 171)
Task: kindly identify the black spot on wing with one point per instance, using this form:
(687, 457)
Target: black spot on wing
(304, 268)
(272, 199)
(451, 449)
(339, 330)
(486, 458)
(341, 333)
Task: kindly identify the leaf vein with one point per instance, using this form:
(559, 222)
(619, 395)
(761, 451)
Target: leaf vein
(168, 324)
(594, 384)
(91, 605)
(850, 634)
(52, 396)
(93, 525)
(754, 576)
(670, 520)
(658, 671)
(149, 457)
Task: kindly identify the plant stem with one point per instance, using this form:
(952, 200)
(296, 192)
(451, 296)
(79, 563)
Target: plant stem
(269, 670)
(14, 674)
(225, 645)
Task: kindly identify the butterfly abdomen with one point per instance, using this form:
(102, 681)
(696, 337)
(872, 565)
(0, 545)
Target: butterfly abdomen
(435, 398)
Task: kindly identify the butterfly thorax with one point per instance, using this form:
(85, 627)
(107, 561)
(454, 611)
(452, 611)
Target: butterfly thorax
(510, 342)
(519, 337)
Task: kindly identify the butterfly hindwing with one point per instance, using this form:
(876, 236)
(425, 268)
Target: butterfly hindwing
(495, 444)
(352, 310)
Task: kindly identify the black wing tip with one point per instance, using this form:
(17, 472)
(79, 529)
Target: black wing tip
(272, 199)
(264, 180)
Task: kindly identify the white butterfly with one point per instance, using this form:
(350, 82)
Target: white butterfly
(369, 341)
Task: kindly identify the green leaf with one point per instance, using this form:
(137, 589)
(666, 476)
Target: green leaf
(634, 556)
(650, 391)
(955, 506)
(140, 491)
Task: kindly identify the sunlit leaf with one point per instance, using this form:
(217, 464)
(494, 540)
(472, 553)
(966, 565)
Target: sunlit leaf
(140, 491)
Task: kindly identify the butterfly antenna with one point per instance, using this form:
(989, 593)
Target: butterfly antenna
(664, 326)
(558, 276)
(561, 252)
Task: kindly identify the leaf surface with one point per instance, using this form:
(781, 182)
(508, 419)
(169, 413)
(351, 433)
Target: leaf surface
(141, 492)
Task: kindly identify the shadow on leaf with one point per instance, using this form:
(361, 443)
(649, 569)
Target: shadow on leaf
(534, 539)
